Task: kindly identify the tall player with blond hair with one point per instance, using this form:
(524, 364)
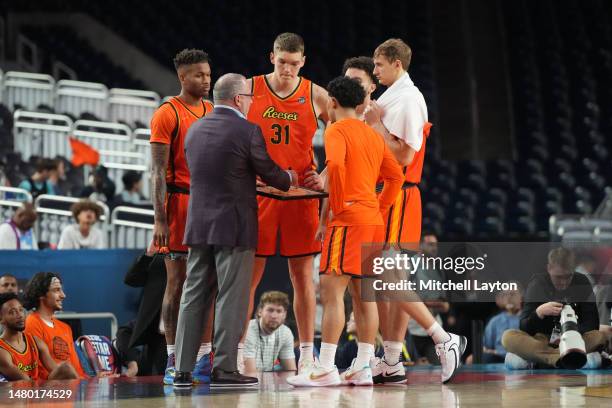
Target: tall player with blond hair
(400, 116)
(287, 106)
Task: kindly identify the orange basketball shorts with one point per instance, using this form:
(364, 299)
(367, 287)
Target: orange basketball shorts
(176, 214)
(342, 249)
(292, 224)
(402, 220)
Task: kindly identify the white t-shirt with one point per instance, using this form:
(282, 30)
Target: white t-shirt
(404, 111)
(8, 239)
(72, 238)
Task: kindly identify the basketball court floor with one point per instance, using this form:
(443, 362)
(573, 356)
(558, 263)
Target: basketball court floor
(474, 386)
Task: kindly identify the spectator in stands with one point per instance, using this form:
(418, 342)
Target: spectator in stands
(268, 339)
(84, 234)
(539, 318)
(148, 272)
(22, 355)
(17, 233)
(132, 190)
(44, 294)
(57, 177)
(36, 184)
(424, 348)
(8, 283)
(347, 350)
(101, 187)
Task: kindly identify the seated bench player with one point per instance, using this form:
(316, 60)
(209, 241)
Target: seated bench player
(21, 354)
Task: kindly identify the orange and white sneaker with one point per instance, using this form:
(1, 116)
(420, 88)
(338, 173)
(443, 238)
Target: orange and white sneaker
(316, 377)
(357, 375)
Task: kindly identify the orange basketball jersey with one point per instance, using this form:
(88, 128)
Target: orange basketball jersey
(288, 124)
(59, 341)
(415, 168)
(166, 129)
(28, 361)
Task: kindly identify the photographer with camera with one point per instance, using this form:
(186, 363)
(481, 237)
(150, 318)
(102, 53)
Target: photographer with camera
(558, 333)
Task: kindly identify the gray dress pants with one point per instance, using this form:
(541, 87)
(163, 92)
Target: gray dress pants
(225, 272)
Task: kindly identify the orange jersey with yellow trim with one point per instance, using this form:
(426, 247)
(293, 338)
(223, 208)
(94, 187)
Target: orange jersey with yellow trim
(356, 157)
(288, 124)
(415, 168)
(28, 361)
(59, 341)
(166, 130)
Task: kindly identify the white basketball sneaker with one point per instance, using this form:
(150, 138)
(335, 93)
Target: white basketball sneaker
(305, 366)
(316, 377)
(384, 373)
(450, 354)
(357, 375)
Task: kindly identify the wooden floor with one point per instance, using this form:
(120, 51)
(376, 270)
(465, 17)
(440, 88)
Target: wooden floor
(475, 386)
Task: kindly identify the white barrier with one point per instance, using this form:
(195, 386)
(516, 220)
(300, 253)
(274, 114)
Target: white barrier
(130, 105)
(142, 145)
(131, 227)
(11, 199)
(77, 97)
(104, 135)
(41, 134)
(28, 90)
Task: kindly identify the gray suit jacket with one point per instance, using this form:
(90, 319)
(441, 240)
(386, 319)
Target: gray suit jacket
(224, 154)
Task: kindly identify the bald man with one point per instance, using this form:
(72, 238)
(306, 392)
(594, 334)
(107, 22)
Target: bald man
(225, 152)
(17, 232)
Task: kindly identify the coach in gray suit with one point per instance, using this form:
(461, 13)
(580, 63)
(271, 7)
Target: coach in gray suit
(224, 154)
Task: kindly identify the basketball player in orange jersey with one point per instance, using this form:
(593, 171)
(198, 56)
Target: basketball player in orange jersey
(352, 148)
(21, 354)
(286, 107)
(362, 70)
(170, 175)
(400, 116)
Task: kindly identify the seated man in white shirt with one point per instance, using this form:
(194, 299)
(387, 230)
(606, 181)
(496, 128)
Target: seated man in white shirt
(17, 233)
(268, 339)
(84, 234)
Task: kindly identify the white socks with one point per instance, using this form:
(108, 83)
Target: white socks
(327, 356)
(307, 351)
(438, 334)
(393, 350)
(205, 348)
(170, 348)
(365, 352)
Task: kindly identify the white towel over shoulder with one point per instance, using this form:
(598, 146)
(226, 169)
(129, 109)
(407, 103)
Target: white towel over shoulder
(405, 111)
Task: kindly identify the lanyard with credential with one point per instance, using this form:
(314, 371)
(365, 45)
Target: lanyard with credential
(261, 347)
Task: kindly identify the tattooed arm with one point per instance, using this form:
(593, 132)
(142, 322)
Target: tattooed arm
(160, 154)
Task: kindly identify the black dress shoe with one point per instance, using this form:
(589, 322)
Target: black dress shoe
(222, 378)
(183, 379)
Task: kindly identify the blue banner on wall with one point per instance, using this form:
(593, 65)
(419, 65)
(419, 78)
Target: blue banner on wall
(92, 280)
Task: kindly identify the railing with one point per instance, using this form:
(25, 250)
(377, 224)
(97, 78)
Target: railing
(41, 134)
(27, 90)
(77, 97)
(131, 227)
(102, 315)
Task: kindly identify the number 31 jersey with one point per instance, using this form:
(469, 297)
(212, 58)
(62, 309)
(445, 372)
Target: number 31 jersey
(288, 124)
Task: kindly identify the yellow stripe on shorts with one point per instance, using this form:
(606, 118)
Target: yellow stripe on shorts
(336, 248)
